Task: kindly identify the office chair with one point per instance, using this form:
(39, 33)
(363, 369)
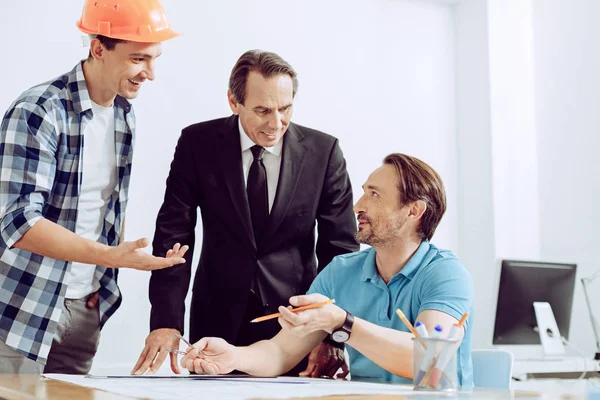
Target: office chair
(492, 368)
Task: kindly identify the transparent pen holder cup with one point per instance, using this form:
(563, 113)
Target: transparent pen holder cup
(434, 364)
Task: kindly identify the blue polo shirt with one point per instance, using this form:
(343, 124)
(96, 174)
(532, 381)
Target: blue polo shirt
(433, 279)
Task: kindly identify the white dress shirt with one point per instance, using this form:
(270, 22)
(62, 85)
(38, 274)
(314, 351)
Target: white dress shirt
(271, 159)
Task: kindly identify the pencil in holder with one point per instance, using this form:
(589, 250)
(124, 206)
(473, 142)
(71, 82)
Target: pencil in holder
(434, 364)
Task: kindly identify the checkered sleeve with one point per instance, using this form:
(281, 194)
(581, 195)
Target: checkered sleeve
(28, 143)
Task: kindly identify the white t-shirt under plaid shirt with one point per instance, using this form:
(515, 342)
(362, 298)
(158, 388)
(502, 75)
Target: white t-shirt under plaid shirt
(98, 182)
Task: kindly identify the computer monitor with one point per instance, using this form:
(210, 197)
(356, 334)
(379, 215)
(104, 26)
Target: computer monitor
(521, 284)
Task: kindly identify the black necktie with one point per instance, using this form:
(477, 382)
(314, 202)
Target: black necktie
(258, 197)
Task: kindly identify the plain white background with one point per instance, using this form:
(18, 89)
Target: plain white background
(499, 96)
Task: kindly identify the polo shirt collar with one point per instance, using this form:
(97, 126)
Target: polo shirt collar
(412, 266)
(410, 269)
(369, 267)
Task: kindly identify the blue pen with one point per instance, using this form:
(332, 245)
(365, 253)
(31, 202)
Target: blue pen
(421, 329)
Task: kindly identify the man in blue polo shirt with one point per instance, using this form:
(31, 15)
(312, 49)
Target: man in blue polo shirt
(403, 202)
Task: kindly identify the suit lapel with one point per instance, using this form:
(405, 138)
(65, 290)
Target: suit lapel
(231, 164)
(291, 167)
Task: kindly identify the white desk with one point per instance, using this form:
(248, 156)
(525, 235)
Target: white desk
(565, 388)
(564, 365)
(29, 387)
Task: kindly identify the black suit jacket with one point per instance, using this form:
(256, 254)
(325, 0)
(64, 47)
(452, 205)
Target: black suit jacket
(206, 174)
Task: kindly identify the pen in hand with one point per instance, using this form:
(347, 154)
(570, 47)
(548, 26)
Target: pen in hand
(184, 339)
(201, 354)
(308, 307)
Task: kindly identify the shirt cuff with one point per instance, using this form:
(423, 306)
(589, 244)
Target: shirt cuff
(14, 227)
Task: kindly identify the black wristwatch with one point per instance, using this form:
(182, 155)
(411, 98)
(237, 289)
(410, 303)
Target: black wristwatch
(342, 334)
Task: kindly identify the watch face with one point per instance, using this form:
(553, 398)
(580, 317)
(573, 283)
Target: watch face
(340, 336)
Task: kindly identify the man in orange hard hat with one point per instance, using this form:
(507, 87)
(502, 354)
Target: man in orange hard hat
(65, 154)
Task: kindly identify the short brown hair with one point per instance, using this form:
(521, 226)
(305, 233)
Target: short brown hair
(418, 181)
(109, 43)
(265, 63)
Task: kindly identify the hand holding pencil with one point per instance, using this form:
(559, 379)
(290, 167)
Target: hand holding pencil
(313, 312)
(308, 307)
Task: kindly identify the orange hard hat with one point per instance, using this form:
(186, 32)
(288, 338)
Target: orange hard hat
(134, 20)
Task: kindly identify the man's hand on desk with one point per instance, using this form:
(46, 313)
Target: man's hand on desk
(326, 360)
(210, 356)
(157, 347)
(130, 255)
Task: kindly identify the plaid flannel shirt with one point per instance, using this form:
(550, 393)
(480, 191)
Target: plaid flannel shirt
(41, 150)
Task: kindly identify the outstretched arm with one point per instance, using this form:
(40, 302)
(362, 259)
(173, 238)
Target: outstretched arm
(265, 358)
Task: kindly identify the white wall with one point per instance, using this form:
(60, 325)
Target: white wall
(567, 66)
(476, 246)
(379, 75)
(497, 146)
(527, 96)
(513, 131)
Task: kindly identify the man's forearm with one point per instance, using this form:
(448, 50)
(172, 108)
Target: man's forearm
(389, 348)
(278, 355)
(264, 358)
(52, 240)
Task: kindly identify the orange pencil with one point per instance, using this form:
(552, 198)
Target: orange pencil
(308, 307)
(463, 319)
(407, 322)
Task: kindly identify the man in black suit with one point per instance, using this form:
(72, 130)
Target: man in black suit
(261, 183)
